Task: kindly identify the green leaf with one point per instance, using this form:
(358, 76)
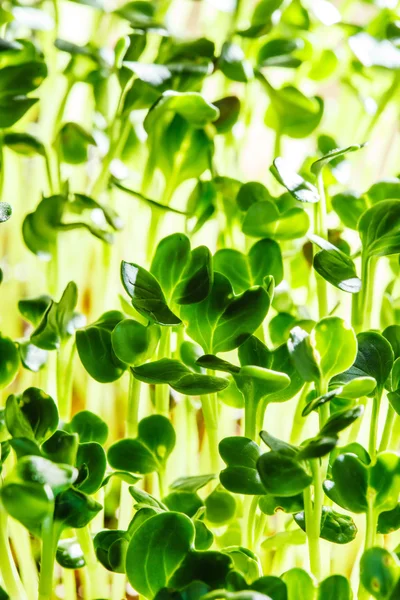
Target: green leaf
(210, 567)
(61, 447)
(184, 275)
(304, 354)
(240, 454)
(12, 109)
(379, 228)
(244, 271)
(32, 415)
(75, 509)
(220, 507)
(191, 483)
(167, 538)
(374, 359)
(282, 475)
(189, 105)
(263, 219)
(179, 377)
(389, 520)
(149, 451)
(229, 110)
(223, 321)
(349, 208)
(57, 323)
(252, 192)
(299, 188)
(272, 504)
(278, 445)
(69, 554)
(319, 164)
(40, 471)
(33, 309)
(185, 502)
(328, 350)
(21, 79)
(94, 345)
(233, 64)
(89, 427)
(280, 52)
(9, 361)
(353, 389)
(146, 294)
(142, 498)
(379, 572)
(110, 547)
(299, 582)
(91, 462)
(72, 142)
(318, 446)
(341, 420)
(292, 113)
(24, 144)
(350, 478)
(335, 527)
(335, 266)
(335, 587)
(133, 343)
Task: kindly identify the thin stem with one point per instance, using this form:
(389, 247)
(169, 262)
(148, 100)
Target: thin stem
(278, 144)
(65, 372)
(47, 559)
(362, 315)
(387, 430)
(373, 431)
(9, 573)
(21, 543)
(209, 403)
(299, 421)
(250, 522)
(86, 543)
(250, 416)
(312, 534)
(49, 174)
(321, 230)
(132, 417)
(372, 520)
(161, 482)
(162, 390)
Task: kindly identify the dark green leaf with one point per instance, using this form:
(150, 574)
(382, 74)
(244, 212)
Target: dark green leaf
(299, 188)
(146, 294)
(223, 321)
(282, 475)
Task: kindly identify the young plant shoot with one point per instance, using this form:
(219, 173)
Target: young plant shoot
(200, 300)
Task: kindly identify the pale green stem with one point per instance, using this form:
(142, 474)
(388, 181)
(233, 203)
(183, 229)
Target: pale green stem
(387, 430)
(373, 431)
(209, 403)
(86, 543)
(47, 559)
(321, 230)
(298, 420)
(22, 546)
(250, 518)
(132, 418)
(9, 573)
(313, 534)
(162, 390)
